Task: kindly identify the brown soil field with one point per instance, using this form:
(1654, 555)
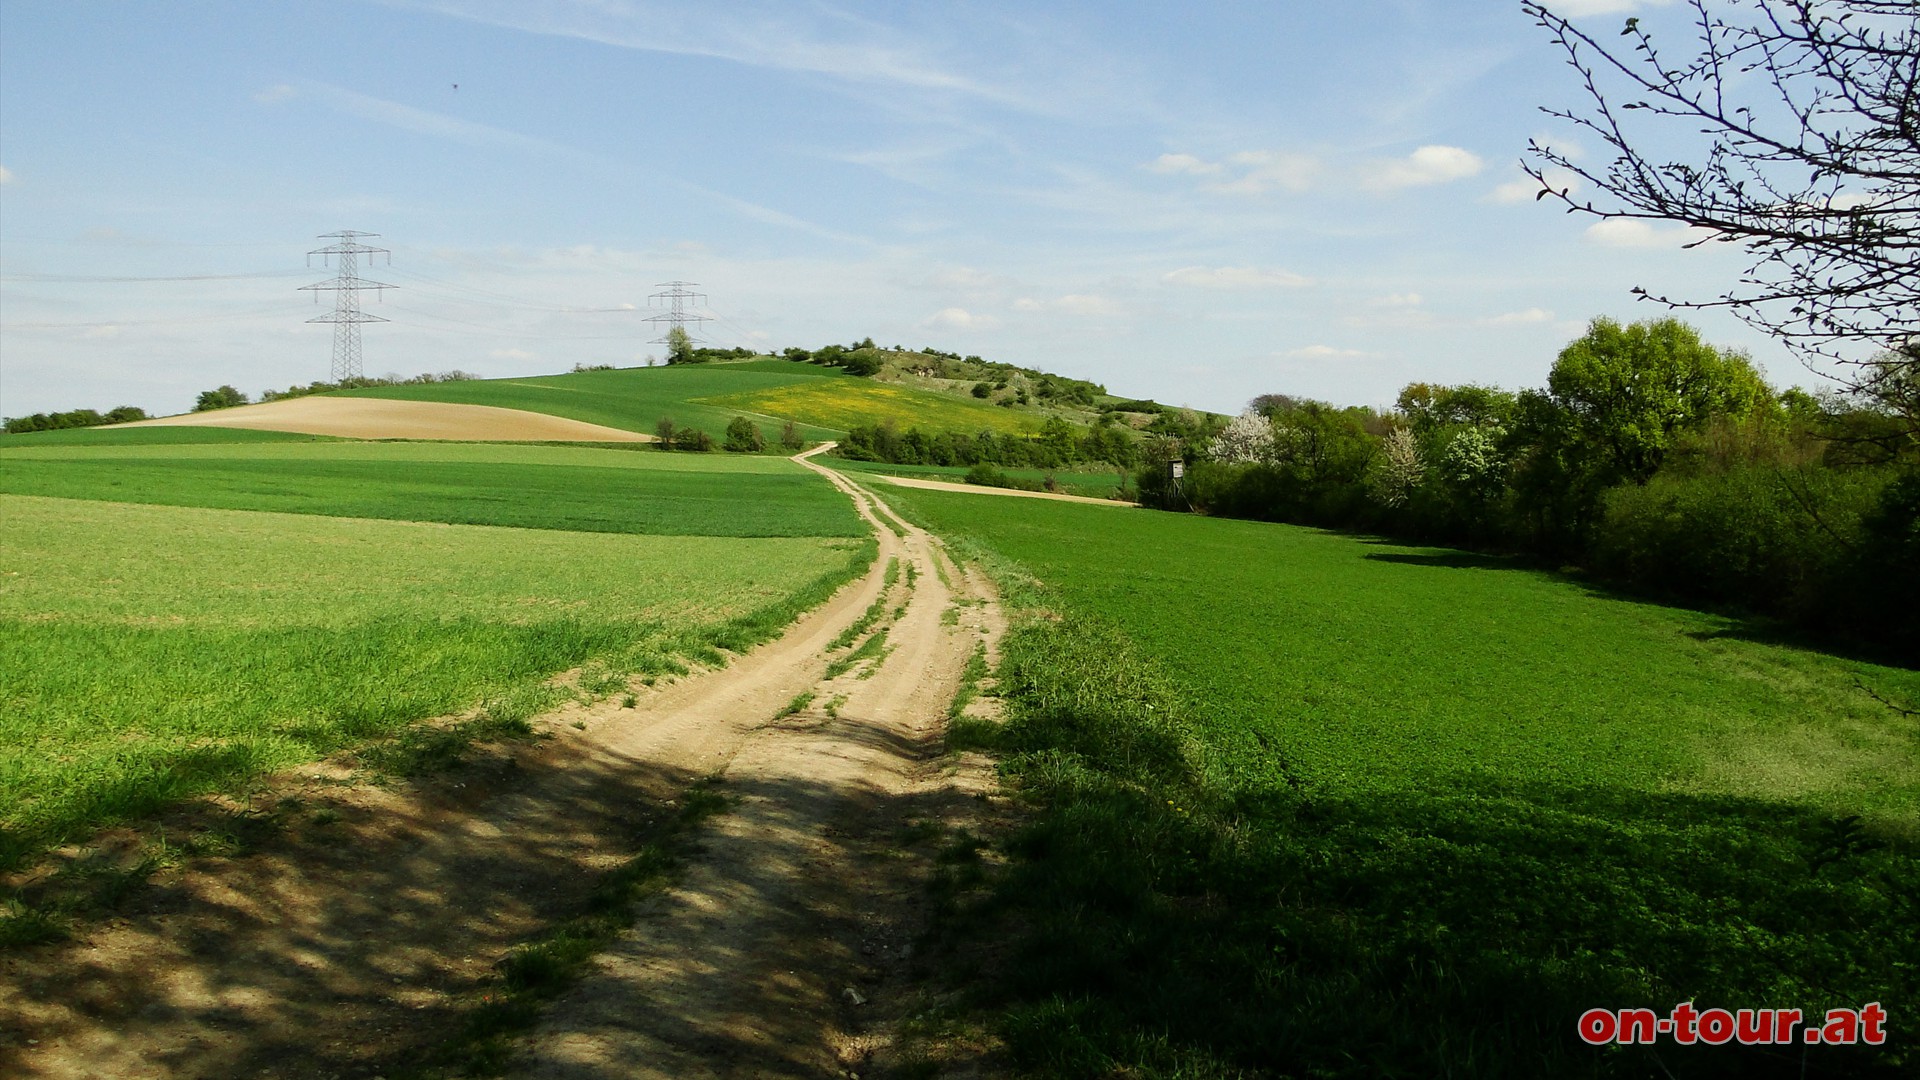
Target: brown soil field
(378, 418)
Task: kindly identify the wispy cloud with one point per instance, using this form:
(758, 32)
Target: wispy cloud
(1183, 164)
(6, 175)
(1577, 9)
(1235, 277)
(956, 318)
(1082, 304)
(833, 44)
(1325, 352)
(407, 117)
(1525, 189)
(1519, 318)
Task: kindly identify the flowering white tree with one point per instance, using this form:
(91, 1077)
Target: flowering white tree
(1247, 438)
(1399, 468)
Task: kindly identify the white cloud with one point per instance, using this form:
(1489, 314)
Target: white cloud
(513, 354)
(1072, 304)
(1183, 164)
(1526, 189)
(1519, 318)
(1635, 233)
(955, 318)
(1326, 352)
(1235, 277)
(6, 175)
(277, 92)
(97, 332)
(1425, 166)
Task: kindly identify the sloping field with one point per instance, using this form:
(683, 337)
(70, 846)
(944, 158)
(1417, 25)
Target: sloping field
(373, 419)
(844, 403)
(130, 435)
(1338, 807)
(543, 487)
(148, 652)
(633, 399)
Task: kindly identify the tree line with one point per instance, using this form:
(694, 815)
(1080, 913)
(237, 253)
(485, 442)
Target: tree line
(1650, 458)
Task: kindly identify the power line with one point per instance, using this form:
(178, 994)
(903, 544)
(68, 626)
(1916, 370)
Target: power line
(345, 286)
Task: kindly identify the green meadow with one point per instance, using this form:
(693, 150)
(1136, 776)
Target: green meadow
(547, 487)
(120, 435)
(633, 399)
(1306, 804)
(1093, 485)
(845, 403)
(153, 652)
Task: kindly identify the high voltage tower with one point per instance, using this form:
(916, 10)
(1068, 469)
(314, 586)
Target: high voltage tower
(346, 316)
(677, 298)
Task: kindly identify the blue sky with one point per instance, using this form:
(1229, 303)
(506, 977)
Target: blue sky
(1196, 203)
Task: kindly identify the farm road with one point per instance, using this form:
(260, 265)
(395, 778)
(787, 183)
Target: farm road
(346, 949)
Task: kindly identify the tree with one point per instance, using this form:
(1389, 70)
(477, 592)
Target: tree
(790, 436)
(663, 432)
(1247, 438)
(680, 347)
(1617, 399)
(1792, 130)
(224, 397)
(743, 437)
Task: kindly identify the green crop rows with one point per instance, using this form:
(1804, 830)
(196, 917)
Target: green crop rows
(549, 487)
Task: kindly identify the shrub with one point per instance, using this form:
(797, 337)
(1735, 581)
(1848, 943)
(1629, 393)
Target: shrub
(790, 436)
(982, 390)
(1775, 540)
(743, 437)
(693, 439)
(225, 397)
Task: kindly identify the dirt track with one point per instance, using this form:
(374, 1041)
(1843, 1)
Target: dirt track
(342, 949)
(381, 418)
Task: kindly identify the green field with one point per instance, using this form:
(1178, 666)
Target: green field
(592, 490)
(633, 399)
(119, 435)
(1313, 805)
(151, 652)
(846, 403)
(1093, 485)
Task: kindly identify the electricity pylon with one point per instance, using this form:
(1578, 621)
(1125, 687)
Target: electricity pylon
(346, 316)
(676, 299)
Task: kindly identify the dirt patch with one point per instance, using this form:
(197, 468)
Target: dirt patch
(381, 418)
(356, 939)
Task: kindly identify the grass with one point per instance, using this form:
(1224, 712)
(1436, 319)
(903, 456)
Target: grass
(149, 653)
(844, 403)
(545, 487)
(633, 399)
(1094, 485)
(1312, 805)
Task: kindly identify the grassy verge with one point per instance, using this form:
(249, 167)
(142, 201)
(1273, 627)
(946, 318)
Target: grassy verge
(1308, 806)
(152, 653)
